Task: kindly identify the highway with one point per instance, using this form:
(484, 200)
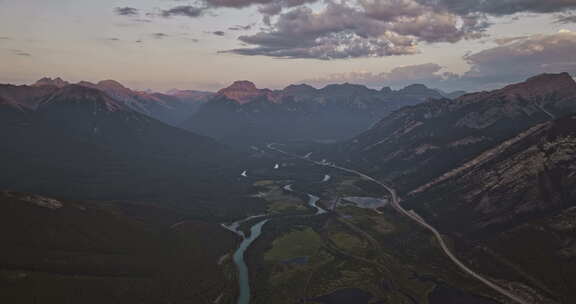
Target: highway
(395, 203)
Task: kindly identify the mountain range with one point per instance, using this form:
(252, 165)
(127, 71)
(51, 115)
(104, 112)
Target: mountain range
(252, 115)
(172, 108)
(100, 140)
(492, 170)
(510, 209)
(299, 112)
(418, 143)
(79, 142)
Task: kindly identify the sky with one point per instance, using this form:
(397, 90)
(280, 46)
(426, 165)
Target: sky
(207, 44)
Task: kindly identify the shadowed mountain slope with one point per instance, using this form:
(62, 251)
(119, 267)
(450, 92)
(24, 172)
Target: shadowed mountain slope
(82, 143)
(419, 143)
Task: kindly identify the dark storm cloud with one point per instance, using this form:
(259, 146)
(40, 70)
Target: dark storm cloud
(184, 10)
(126, 11)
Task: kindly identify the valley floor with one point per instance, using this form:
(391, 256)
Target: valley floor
(353, 253)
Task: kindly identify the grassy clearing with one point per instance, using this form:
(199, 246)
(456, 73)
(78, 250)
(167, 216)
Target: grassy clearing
(346, 241)
(295, 244)
(285, 206)
(279, 201)
(264, 183)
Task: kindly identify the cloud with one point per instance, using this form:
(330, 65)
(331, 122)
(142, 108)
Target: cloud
(502, 7)
(510, 61)
(369, 30)
(522, 58)
(126, 11)
(506, 40)
(219, 33)
(241, 27)
(20, 53)
(142, 20)
(566, 19)
(236, 3)
(160, 35)
(428, 73)
(382, 8)
(266, 7)
(276, 7)
(184, 10)
(375, 28)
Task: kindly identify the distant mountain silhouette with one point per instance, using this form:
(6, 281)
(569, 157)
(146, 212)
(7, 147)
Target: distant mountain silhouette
(242, 113)
(49, 82)
(171, 109)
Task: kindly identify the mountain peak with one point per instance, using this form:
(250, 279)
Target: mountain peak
(415, 88)
(420, 90)
(47, 81)
(243, 85)
(386, 90)
(111, 84)
(561, 84)
(242, 91)
(86, 84)
(299, 89)
(346, 85)
(561, 79)
(78, 95)
(345, 89)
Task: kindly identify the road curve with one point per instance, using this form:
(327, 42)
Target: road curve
(414, 217)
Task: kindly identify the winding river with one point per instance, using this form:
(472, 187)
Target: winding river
(313, 201)
(255, 231)
(243, 275)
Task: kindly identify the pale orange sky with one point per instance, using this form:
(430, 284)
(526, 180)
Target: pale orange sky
(86, 40)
